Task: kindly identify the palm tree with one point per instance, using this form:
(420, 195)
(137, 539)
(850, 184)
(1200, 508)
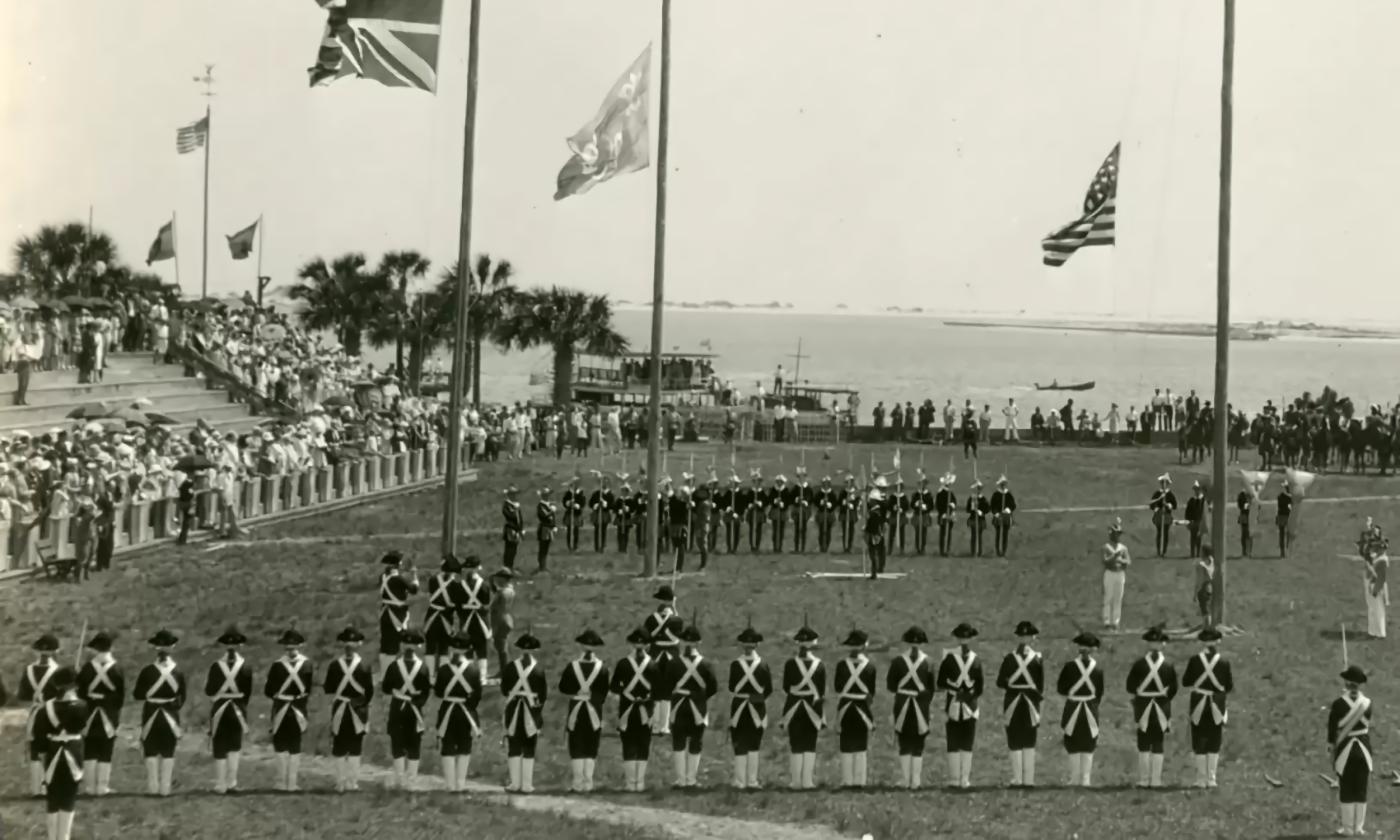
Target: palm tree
(424, 325)
(490, 297)
(566, 321)
(63, 260)
(342, 297)
(398, 267)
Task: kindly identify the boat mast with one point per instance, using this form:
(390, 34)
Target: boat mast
(797, 369)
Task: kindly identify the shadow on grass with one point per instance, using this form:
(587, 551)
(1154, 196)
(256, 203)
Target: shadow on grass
(1333, 634)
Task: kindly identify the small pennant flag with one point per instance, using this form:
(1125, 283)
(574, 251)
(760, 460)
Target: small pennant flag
(164, 246)
(615, 141)
(240, 244)
(1097, 226)
(192, 136)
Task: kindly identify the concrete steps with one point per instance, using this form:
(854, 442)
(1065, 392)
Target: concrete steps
(128, 377)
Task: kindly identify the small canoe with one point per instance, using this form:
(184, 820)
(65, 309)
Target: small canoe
(1055, 386)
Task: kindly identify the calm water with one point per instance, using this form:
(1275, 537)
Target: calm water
(913, 358)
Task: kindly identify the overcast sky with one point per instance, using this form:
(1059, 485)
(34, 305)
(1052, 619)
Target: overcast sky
(868, 152)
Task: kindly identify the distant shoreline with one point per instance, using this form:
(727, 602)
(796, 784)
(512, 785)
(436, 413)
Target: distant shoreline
(1256, 331)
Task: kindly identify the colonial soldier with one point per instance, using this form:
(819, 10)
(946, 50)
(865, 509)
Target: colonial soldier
(632, 682)
(802, 499)
(804, 684)
(458, 686)
(663, 515)
(1285, 510)
(229, 687)
(525, 688)
(1163, 507)
(678, 506)
(474, 608)
(584, 684)
(826, 501)
(922, 504)
(750, 686)
(502, 621)
(1152, 684)
(911, 681)
(407, 684)
(978, 507)
(288, 686)
(1207, 676)
(600, 503)
(776, 501)
(513, 526)
(395, 588)
(621, 512)
(960, 679)
(35, 689)
(854, 681)
(545, 527)
(849, 516)
(876, 515)
(160, 687)
(897, 512)
(102, 687)
(1377, 567)
(945, 503)
(728, 514)
(1003, 515)
(638, 514)
(1022, 677)
(573, 502)
(1081, 683)
(1245, 503)
(751, 505)
(350, 686)
(702, 503)
(1195, 516)
(1116, 560)
(1349, 737)
(59, 723)
(440, 621)
(693, 683)
(663, 628)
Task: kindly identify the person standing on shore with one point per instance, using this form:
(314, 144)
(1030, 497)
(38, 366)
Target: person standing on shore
(1115, 575)
(1011, 413)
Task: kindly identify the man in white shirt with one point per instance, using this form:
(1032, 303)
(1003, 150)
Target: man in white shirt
(1011, 412)
(1115, 575)
(778, 381)
(160, 320)
(26, 353)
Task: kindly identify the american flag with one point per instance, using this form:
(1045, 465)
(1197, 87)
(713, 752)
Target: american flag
(192, 136)
(393, 42)
(1097, 225)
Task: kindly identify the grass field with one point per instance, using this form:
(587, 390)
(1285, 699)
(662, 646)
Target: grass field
(319, 574)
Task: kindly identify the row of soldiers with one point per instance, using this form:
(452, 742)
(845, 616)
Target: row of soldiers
(1163, 504)
(663, 687)
(693, 517)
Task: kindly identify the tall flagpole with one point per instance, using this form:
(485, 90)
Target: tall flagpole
(1222, 314)
(208, 81)
(258, 279)
(464, 247)
(658, 301)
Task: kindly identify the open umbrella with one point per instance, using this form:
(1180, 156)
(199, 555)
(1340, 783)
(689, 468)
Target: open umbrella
(272, 332)
(194, 463)
(53, 305)
(90, 411)
(23, 303)
(336, 401)
(159, 419)
(129, 414)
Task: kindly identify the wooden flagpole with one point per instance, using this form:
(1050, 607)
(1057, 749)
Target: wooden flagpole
(208, 81)
(1222, 313)
(258, 279)
(464, 248)
(175, 246)
(658, 297)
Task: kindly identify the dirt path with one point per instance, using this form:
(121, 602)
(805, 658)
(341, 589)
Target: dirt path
(681, 825)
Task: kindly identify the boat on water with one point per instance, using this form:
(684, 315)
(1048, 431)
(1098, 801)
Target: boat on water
(1056, 386)
(625, 379)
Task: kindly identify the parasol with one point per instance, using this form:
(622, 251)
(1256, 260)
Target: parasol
(90, 411)
(1298, 484)
(194, 463)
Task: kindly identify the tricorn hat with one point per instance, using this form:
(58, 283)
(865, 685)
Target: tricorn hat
(459, 641)
(665, 593)
(527, 642)
(100, 642)
(451, 564)
(232, 637)
(750, 636)
(638, 637)
(1155, 635)
(1209, 634)
(163, 639)
(410, 637)
(1026, 628)
(1354, 675)
(63, 679)
(589, 638)
(691, 634)
(291, 637)
(350, 636)
(393, 558)
(1086, 640)
(47, 643)
(915, 636)
(964, 631)
(471, 561)
(855, 639)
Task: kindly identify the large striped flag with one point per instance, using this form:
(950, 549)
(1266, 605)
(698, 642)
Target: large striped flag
(163, 248)
(615, 141)
(393, 42)
(1097, 225)
(192, 136)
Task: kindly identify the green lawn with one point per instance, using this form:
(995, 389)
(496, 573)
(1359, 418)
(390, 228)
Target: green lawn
(1285, 664)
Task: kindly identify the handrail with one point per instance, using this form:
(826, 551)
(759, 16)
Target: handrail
(258, 402)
